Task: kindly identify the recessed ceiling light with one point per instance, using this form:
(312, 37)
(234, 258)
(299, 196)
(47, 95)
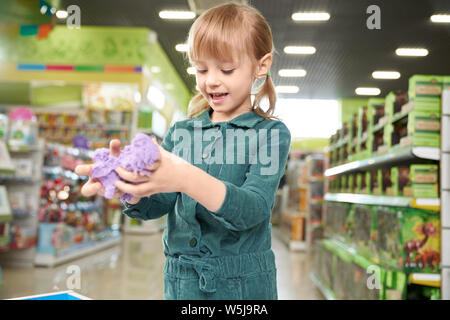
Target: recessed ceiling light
(181, 47)
(286, 89)
(299, 50)
(361, 91)
(179, 15)
(386, 75)
(191, 70)
(440, 18)
(310, 16)
(292, 73)
(412, 52)
(61, 14)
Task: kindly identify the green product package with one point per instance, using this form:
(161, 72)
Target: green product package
(387, 186)
(363, 224)
(420, 240)
(385, 245)
(446, 85)
(425, 87)
(417, 180)
(375, 181)
(394, 101)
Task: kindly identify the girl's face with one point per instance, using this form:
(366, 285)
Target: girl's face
(226, 85)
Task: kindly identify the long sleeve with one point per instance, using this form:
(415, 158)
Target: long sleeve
(251, 203)
(158, 204)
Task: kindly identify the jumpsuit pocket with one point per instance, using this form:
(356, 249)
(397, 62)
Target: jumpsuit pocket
(226, 289)
(260, 286)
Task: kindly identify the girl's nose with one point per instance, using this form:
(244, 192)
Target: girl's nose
(212, 79)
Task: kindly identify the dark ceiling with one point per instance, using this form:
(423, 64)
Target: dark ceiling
(347, 51)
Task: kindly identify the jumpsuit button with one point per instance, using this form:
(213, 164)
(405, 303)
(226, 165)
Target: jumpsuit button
(193, 242)
(205, 155)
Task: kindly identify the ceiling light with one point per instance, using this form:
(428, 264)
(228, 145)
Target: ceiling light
(440, 18)
(386, 75)
(61, 14)
(181, 47)
(299, 50)
(191, 70)
(286, 89)
(292, 73)
(311, 16)
(180, 15)
(367, 91)
(412, 52)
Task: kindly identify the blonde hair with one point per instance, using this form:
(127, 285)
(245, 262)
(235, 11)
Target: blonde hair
(230, 31)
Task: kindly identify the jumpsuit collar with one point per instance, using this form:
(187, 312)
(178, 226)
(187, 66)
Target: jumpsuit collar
(245, 120)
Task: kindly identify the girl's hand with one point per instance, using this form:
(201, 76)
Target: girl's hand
(166, 176)
(93, 186)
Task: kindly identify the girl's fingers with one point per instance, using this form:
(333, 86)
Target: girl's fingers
(130, 176)
(140, 190)
(154, 165)
(114, 147)
(83, 169)
(91, 188)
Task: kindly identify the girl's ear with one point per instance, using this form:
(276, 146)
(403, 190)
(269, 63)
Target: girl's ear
(264, 65)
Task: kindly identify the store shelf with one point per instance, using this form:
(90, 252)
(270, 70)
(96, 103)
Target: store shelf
(292, 244)
(426, 279)
(326, 292)
(393, 156)
(50, 260)
(421, 203)
(73, 151)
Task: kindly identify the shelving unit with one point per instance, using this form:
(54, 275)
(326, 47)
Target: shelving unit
(24, 222)
(445, 194)
(377, 219)
(72, 226)
(420, 203)
(393, 156)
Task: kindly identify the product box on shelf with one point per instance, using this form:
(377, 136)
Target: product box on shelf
(362, 183)
(417, 180)
(420, 240)
(384, 244)
(294, 224)
(375, 181)
(361, 217)
(417, 128)
(395, 284)
(382, 139)
(394, 102)
(425, 87)
(387, 185)
(367, 281)
(376, 112)
(335, 219)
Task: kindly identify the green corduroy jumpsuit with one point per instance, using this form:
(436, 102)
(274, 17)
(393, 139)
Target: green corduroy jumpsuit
(224, 254)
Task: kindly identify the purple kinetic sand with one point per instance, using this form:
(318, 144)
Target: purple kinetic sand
(136, 157)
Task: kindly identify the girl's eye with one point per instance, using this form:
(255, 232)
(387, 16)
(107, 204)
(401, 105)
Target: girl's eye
(201, 71)
(228, 71)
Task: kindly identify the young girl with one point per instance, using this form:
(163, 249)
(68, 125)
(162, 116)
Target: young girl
(216, 179)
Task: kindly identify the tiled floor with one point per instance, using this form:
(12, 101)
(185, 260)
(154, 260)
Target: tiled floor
(133, 270)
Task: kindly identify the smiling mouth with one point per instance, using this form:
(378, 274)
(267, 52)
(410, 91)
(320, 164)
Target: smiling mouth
(217, 95)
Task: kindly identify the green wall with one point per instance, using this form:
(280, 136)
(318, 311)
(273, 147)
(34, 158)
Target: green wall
(97, 46)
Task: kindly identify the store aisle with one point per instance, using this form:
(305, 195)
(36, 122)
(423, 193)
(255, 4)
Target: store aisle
(133, 270)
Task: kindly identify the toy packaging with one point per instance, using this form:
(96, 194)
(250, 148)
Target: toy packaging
(23, 127)
(417, 180)
(384, 243)
(425, 87)
(375, 182)
(394, 102)
(386, 182)
(362, 216)
(420, 240)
